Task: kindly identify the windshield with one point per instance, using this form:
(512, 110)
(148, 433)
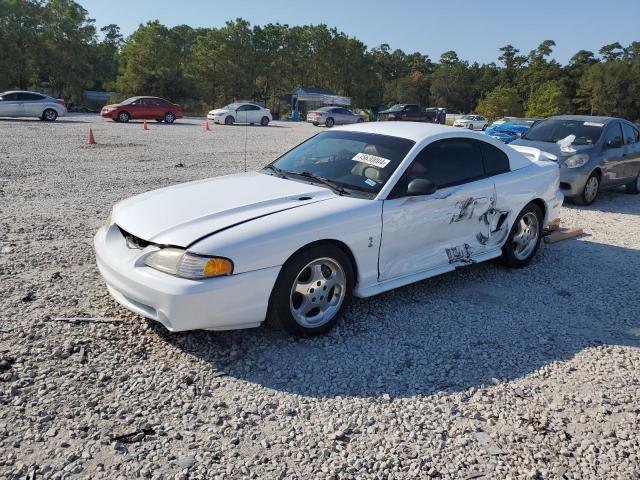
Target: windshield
(466, 117)
(396, 108)
(129, 100)
(358, 162)
(587, 133)
(232, 106)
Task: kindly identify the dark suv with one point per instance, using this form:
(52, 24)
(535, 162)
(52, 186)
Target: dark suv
(408, 112)
(593, 153)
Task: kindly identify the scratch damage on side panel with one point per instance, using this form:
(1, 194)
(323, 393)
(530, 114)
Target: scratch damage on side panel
(493, 224)
(460, 254)
(465, 210)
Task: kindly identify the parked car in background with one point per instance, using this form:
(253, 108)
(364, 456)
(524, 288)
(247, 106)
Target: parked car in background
(355, 210)
(330, 116)
(508, 129)
(593, 153)
(21, 103)
(472, 122)
(407, 112)
(241, 112)
(143, 108)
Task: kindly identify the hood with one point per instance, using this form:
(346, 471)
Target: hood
(552, 147)
(219, 110)
(182, 214)
(112, 105)
(390, 111)
(462, 120)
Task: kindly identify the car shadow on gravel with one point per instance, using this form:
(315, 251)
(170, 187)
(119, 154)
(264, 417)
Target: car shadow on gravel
(474, 327)
(59, 121)
(612, 201)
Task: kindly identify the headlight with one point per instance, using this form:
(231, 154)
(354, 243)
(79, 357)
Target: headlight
(176, 261)
(576, 161)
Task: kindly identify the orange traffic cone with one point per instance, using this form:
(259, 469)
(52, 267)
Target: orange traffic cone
(145, 126)
(206, 125)
(92, 140)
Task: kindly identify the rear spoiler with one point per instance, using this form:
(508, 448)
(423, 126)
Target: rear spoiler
(534, 154)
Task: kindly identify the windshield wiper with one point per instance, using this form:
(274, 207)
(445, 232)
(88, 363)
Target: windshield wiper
(278, 171)
(325, 181)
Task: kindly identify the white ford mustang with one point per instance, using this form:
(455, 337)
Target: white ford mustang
(357, 210)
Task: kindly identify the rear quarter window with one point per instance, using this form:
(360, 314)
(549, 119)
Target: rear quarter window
(495, 160)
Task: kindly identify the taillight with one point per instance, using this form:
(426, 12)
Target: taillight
(60, 101)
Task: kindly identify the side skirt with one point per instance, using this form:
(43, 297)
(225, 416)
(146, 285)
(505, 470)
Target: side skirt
(390, 284)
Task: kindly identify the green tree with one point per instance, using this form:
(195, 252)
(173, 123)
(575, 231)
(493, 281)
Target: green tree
(150, 63)
(547, 100)
(20, 22)
(501, 102)
(451, 84)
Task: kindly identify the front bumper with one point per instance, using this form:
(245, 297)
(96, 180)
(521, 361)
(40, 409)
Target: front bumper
(573, 180)
(109, 114)
(222, 303)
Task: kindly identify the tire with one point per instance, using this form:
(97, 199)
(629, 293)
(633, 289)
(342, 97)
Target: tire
(315, 124)
(589, 195)
(169, 118)
(360, 120)
(634, 186)
(124, 117)
(329, 122)
(49, 115)
(470, 127)
(264, 121)
(518, 253)
(484, 127)
(323, 271)
(229, 120)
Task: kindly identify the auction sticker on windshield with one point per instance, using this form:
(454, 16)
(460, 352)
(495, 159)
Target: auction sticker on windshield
(371, 160)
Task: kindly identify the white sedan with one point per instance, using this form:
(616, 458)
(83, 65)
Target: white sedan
(241, 112)
(20, 103)
(472, 122)
(356, 210)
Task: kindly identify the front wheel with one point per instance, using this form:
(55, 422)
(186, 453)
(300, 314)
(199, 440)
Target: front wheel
(329, 122)
(524, 238)
(264, 121)
(590, 190)
(229, 120)
(49, 115)
(634, 186)
(312, 291)
(484, 127)
(123, 117)
(470, 127)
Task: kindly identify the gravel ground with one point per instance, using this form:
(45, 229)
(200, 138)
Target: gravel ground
(481, 373)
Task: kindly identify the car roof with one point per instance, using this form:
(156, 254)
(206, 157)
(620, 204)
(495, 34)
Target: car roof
(415, 131)
(25, 91)
(584, 118)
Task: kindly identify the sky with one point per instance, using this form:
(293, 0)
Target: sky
(474, 29)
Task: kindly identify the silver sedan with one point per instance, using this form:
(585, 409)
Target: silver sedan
(18, 103)
(330, 116)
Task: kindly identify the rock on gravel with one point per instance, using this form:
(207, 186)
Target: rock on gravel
(481, 373)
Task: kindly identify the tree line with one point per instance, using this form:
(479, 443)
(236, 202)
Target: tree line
(54, 45)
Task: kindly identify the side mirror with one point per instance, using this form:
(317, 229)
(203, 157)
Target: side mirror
(617, 143)
(420, 186)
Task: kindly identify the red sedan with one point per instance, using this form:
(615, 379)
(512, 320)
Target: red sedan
(143, 108)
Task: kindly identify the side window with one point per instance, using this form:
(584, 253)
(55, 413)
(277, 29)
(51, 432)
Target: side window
(448, 162)
(411, 109)
(630, 134)
(31, 96)
(613, 136)
(244, 108)
(495, 160)
(254, 107)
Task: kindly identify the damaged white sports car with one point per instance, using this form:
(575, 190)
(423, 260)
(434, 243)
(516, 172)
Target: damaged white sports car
(352, 211)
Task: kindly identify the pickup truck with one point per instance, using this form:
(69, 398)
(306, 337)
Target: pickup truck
(407, 112)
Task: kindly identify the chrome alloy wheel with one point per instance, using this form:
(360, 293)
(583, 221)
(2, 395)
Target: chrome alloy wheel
(591, 189)
(318, 292)
(526, 237)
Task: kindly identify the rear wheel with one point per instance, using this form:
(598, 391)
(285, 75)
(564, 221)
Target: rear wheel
(229, 120)
(264, 121)
(124, 117)
(360, 120)
(590, 190)
(484, 127)
(329, 122)
(312, 291)
(169, 117)
(524, 238)
(634, 186)
(49, 115)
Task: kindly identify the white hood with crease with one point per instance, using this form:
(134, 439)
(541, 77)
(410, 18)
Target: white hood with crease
(181, 214)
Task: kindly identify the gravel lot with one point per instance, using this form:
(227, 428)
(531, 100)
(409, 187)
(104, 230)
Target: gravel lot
(481, 373)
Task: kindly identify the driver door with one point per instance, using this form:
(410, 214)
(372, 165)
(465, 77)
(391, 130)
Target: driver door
(241, 113)
(11, 105)
(440, 230)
